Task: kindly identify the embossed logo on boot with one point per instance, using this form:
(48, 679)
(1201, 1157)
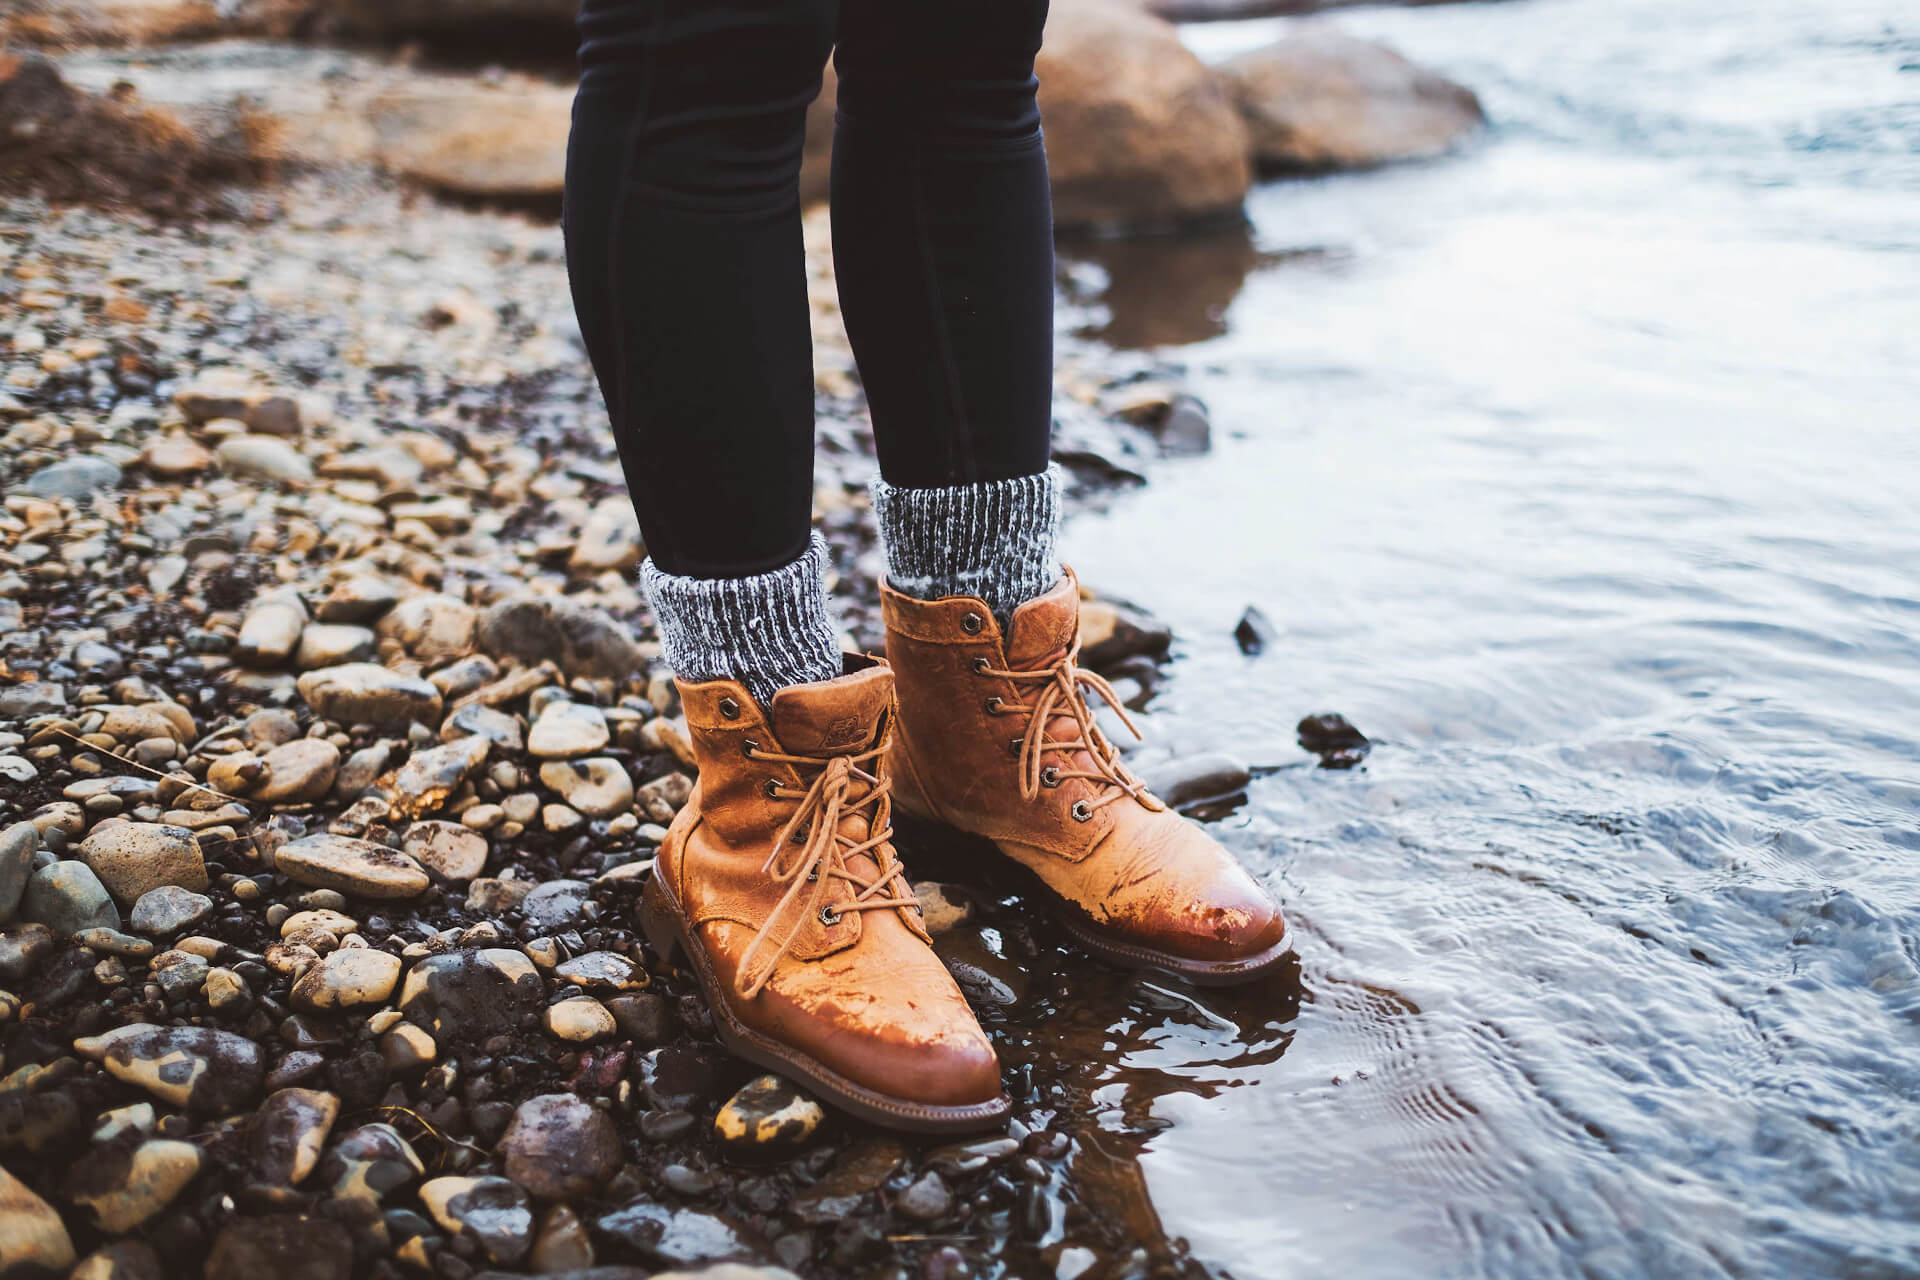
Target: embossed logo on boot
(844, 732)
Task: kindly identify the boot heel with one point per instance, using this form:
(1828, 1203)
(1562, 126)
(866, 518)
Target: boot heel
(656, 923)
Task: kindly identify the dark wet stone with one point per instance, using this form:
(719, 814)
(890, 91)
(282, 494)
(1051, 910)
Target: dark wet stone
(299, 1065)
(169, 909)
(68, 897)
(1329, 736)
(1186, 779)
(497, 1213)
(74, 478)
(126, 1182)
(21, 947)
(36, 698)
(288, 1133)
(557, 903)
(667, 1126)
(602, 971)
(926, 1200)
(966, 1157)
(857, 1174)
(470, 995)
(681, 1076)
(645, 1019)
(358, 868)
(560, 1147)
(585, 641)
(767, 1114)
(281, 1247)
(1133, 632)
(180, 974)
(1187, 429)
(36, 1121)
(367, 1163)
(197, 1068)
(681, 1238)
(18, 844)
(121, 1260)
(1255, 631)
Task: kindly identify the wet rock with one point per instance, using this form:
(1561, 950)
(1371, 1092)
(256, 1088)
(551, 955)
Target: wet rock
(358, 599)
(407, 1049)
(488, 896)
(603, 971)
(580, 1021)
(446, 849)
(1322, 99)
(197, 1068)
(268, 458)
(288, 1133)
(863, 1170)
(644, 1019)
(433, 628)
(470, 995)
(358, 868)
(767, 1114)
(283, 1247)
(33, 1240)
(680, 1238)
(1112, 631)
(475, 720)
(430, 777)
(133, 857)
(942, 907)
(134, 724)
(1186, 779)
(609, 541)
(560, 1148)
(562, 1246)
(1255, 632)
(334, 644)
(349, 978)
(175, 457)
(299, 772)
(556, 903)
(68, 897)
(180, 974)
(125, 1189)
(271, 631)
(168, 909)
(566, 729)
(1329, 736)
(121, 1260)
(585, 641)
(598, 787)
(21, 947)
(497, 1213)
(926, 1200)
(1139, 132)
(74, 478)
(369, 1163)
(365, 693)
(18, 844)
(35, 698)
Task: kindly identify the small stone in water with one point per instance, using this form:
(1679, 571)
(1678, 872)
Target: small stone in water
(1329, 736)
(1255, 631)
(767, 1113)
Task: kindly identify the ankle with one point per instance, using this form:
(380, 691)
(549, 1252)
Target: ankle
(993, 540)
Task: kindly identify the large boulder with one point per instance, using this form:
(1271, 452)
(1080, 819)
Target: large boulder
(1322, 99)
(1140, 133)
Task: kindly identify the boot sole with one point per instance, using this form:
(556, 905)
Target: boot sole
(665, 926)
(1103, 943)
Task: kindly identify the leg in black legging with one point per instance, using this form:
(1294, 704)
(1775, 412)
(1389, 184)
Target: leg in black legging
(943, 235)
(684, 250)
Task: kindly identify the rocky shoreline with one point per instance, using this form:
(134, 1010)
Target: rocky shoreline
(334, 744)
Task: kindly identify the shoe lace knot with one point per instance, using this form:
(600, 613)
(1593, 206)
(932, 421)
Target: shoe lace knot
(1061, 689)
(812, 850)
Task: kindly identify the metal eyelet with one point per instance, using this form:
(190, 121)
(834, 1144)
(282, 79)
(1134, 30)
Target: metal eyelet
(748, 746)
(980, 666)
(993, 705)
(729, 708)
(1013, 746)
(1081, 811)
(772, 788)
(971, 623)
(1050, 776)
(813, 876)
(829, 917)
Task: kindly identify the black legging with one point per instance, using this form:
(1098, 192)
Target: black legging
(684, 250)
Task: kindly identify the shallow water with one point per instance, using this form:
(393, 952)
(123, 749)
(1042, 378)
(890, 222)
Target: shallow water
(1579, 470)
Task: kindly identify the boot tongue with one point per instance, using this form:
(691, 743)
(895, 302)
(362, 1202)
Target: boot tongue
(1043, 628)
(834, 717)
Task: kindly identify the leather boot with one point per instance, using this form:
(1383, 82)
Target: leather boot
(996, 739)
(779, 882)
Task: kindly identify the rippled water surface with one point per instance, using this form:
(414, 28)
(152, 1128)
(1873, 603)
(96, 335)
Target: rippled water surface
(1580, 470)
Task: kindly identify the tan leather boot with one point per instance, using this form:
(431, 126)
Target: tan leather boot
(778, 881)
(996, 739)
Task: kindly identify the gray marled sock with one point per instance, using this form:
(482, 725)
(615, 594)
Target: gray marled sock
(992, 540)
(766, 631)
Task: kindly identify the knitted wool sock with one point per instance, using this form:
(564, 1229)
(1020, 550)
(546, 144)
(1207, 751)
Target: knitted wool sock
(767, 631)
(992, 540)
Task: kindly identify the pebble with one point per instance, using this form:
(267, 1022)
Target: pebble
(197, 1068)
(562, 1246)
(271, 630)
(368, 1164)
(132, 724)
(645, 1019)
(18, 844)
(477, 720)
(68, 897)
(407, 1048)
(360, 598)
(603, 971)
(767, 1114)
(268, 458)
(121, 1260)
(430, 777)
(598, 786)
(1205, 776)
(283, 1246)
(556, 904)
(333, 644)
(446, 849)
(35, 1239)
(180, 974)
(470, 995)
(679, 1237)
(349, 978)
(560, 819)
(74, 478)
(566, 729)
(34, 698)
(125, 1189)
(175, 457)
(942, 908)
(580, 1021)
(582, 639)
(559, 1147)
(432, 628)
(358, 868)
(926, 1199)
(21, 948)
(497, 1213)
(288, 1133)
(133, 857)
(298, 772)
(366, 693)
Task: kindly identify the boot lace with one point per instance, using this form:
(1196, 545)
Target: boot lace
(842, 786)
(1063, 688)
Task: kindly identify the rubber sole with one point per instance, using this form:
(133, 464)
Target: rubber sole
(665, 926)
(911, 830)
